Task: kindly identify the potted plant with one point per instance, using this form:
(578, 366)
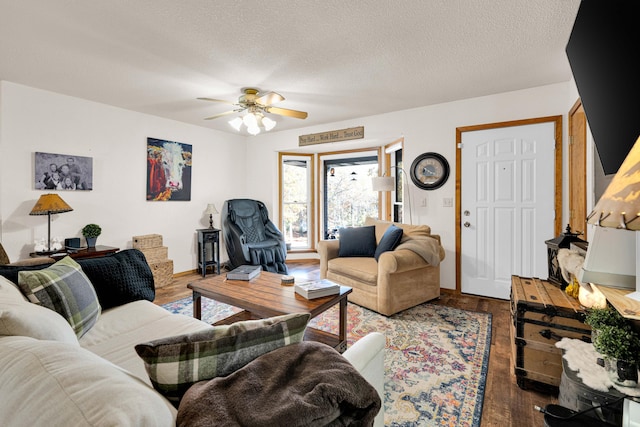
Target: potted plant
(91, 233)
(597, 318)
(620, 346)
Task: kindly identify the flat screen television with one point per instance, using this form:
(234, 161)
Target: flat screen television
(602, 51)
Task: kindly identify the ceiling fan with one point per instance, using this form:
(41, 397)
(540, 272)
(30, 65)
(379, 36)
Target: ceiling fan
(256, 104)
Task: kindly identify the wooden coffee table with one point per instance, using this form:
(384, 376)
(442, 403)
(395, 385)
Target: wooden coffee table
(264, 297)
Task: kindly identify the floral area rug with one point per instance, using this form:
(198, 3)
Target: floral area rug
(436, 358)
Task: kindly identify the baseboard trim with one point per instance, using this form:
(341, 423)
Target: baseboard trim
(303, 260)
(185, 273)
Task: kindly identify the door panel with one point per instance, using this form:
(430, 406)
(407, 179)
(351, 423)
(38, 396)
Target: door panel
(508, 212)
(578, 170)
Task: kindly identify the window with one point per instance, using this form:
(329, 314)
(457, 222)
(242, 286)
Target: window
(347, 195)
(319, 193)
(296, 172)
(398, 214)
(393, 207)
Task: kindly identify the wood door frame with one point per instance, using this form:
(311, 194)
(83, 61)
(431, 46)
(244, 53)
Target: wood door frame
(577, 169)
(558, 177)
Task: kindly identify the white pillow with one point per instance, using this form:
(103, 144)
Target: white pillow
(9, 291)
(53, 383)
(20, 317)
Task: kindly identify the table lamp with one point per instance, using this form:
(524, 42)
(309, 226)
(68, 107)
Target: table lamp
(614, 254)
(49, 204)
(211, 210)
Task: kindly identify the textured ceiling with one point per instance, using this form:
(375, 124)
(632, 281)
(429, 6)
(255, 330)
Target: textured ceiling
(334, 59)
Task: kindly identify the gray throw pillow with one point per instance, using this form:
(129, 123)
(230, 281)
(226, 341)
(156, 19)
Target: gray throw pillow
(64, 288)
(357, 241)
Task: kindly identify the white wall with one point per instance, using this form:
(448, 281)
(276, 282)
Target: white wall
(36, 120)
(430, 128)
(224, 165)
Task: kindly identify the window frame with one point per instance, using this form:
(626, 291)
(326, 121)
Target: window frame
(321, 158)
(394, 167)
(309, 158)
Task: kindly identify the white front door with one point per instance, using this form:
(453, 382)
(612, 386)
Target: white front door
(507, 206)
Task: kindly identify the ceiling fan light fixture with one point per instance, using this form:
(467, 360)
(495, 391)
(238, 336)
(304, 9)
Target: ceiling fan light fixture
(250, 120)
(236, 123)
(268, 123)
(254, 104)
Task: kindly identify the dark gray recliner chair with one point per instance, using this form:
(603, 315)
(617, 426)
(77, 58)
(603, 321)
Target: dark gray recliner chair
(251, 238)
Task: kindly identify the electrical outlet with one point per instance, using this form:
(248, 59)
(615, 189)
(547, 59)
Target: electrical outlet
(447, 202)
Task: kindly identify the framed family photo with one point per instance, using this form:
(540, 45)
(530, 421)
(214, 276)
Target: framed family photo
(63, 172)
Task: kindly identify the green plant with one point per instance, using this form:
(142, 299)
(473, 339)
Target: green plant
(600, 317)
(91, 230)
(620, 343)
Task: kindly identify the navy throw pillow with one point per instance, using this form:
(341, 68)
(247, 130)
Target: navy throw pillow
(357, 241)
(390, 239)
(120, 278)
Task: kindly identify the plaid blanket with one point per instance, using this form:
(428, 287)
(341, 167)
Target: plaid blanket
(304, 384)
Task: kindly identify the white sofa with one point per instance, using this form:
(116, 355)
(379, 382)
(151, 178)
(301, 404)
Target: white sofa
(50, 378)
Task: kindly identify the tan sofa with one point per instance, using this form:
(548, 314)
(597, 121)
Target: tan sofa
(400, 279)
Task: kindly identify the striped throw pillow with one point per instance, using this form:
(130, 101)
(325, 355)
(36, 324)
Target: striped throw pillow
(64, 288)
(176, 363)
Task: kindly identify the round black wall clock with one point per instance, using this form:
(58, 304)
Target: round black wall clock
(429, 171)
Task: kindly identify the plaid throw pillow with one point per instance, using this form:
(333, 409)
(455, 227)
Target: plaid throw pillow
(176, 363)
(65, 289)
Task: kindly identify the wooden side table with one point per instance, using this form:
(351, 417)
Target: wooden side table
(208, 238)
(96, 252)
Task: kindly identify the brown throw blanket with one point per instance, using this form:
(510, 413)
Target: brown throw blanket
(304, 384)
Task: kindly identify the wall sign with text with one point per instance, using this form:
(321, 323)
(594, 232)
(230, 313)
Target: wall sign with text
(331, 136)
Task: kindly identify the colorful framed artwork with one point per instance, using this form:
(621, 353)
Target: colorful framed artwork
(168, 170)
(63, 172)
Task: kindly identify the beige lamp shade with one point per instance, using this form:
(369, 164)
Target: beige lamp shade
(619, 206)
(382, 183)
(50, 204)
(211, 209)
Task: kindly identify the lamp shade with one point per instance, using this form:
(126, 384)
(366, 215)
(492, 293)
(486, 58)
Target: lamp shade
(619, 206)
(211, 209)
(382, 183)
(50, 204)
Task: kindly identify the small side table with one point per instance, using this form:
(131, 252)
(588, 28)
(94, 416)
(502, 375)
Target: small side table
(208, 238)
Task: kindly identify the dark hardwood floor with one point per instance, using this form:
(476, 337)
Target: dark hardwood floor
(505, 404)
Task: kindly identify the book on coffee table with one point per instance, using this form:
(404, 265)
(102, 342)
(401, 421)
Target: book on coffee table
(317, 288)
(244, 272)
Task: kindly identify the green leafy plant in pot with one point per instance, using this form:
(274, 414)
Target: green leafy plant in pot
(597, 318)
(620, 346)
(91, 233)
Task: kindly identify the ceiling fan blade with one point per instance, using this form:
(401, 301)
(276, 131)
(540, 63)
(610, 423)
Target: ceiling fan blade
(286, 112)
(269, 98)
(217, 100)
(222, 114)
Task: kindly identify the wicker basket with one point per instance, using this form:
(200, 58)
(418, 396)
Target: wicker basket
(162, 272)
(147, 241)
(157, 254)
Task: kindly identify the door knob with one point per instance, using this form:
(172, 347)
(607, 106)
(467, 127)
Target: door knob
(467, 224)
